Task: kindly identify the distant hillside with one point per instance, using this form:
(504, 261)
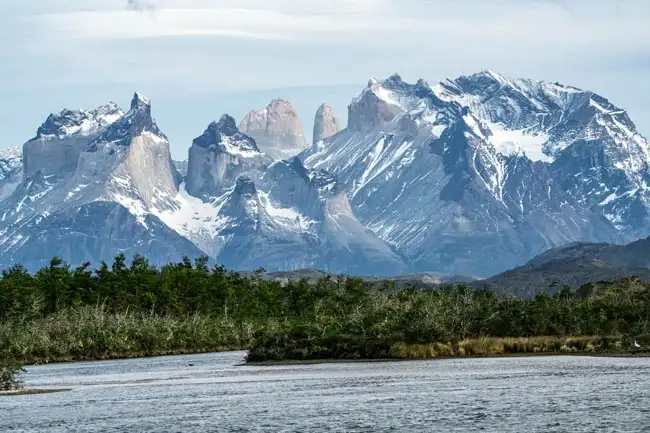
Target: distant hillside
(575, 265)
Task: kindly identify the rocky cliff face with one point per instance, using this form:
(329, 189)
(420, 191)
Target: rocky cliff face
(246, 210)
(471, 176)
(296, 218)
(276, 129)
(219, 156)
(377, 105)
(112, 170)
(325, 123)
(63, 136)
(148, 163)
(477, 174)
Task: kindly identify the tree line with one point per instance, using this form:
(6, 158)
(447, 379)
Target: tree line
(335, 317)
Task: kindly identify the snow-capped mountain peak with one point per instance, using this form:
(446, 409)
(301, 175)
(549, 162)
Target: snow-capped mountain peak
(227, 125)
(83, 122)
(140, 101)
(537, 118)
(11, 169)
(10, 159)
(470, 176)
(225, 137)
(135, 122)
(392, 103)
(488, 156)
(219, 156)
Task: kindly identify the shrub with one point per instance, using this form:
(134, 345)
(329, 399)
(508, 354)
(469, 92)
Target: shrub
(10, 376)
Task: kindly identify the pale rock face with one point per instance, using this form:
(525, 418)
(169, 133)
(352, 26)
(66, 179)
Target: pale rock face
(148, 164)
(325, 123)
(152, 171)
(55, 156)
(375, 106)
(276, 129)
(90, 185)
(63, 136)
(219, 156)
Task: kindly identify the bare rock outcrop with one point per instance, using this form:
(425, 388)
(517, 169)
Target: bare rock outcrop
(375, 106)
(219, 156)
(325, 123)
(276, 129)
(63, 136)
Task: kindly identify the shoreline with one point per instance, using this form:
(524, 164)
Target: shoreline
(19, 392)
(289, 362)
(286, 362)
(481, 347)
(73, 360)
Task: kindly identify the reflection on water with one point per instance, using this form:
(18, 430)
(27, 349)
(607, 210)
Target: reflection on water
(209, 393)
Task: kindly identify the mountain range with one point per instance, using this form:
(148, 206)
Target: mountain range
(471, 176)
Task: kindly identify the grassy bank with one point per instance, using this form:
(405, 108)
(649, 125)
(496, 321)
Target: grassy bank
(309, 350)
(91, 333)
(489, 346)
(471, 348)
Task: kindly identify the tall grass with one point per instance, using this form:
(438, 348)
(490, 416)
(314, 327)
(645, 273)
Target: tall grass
(90, 333)
(490, 346)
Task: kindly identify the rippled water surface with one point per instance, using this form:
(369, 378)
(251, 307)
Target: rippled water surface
(210, 393)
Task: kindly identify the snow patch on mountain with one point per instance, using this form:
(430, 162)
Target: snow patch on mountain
(288, 218)
(195, 219)
(521, 165)
(11, 164)
(81, 122)
(517, 142)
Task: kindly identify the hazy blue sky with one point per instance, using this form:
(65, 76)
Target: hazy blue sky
(197, 59)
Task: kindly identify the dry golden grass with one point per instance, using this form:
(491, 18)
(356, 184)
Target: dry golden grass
(490, 346)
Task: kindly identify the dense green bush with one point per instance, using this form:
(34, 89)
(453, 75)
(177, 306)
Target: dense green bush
(10, 376)
(63, 313)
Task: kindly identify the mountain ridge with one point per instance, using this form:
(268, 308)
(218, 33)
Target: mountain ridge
(401, 134)
(471, 176)
(574, 265)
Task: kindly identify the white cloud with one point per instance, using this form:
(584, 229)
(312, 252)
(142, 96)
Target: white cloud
(238, 22)
(503, 21)
(140, 6)
(215, 48)
(268, 44)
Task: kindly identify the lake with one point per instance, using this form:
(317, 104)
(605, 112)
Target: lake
(211, 393)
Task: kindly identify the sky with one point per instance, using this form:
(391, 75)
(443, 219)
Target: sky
(199, 59)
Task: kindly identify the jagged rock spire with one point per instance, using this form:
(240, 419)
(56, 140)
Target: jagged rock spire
(135, 122)
(325, 123)
(276, 129)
